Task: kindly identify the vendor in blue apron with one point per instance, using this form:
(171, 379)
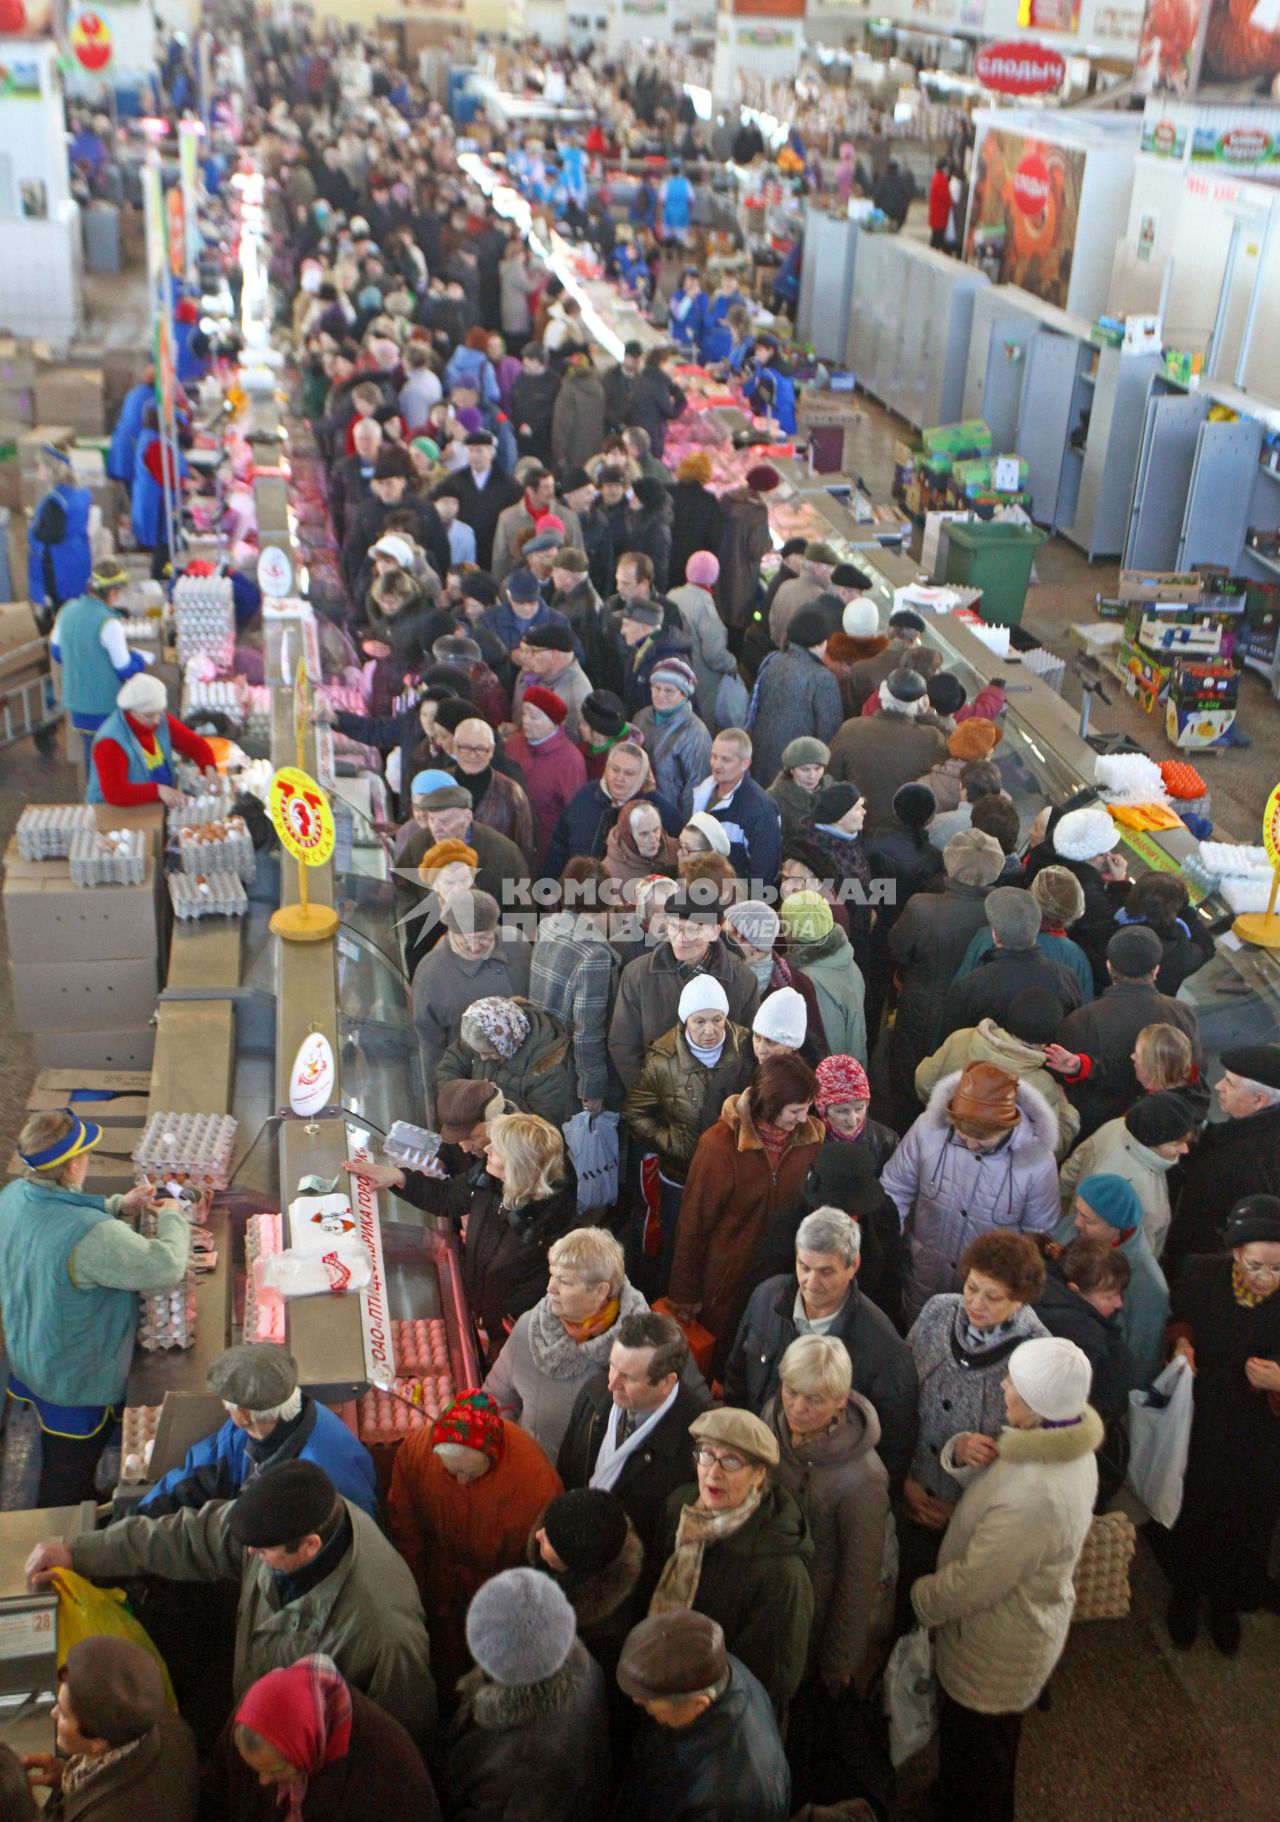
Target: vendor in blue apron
(90, 648)
(58, 555)
(70, 1274)
(770, 388)
(124, 438)
(146, 505)
(676, 196)
(131, 761)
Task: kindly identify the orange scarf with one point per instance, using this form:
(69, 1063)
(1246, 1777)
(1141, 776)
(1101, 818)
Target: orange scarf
(594, 1325)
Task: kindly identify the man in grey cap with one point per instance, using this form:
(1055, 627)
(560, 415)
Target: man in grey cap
(1094, 1052)
(709, 1746)
(880, 753)
(814, 579)
(270, 1420)
(1014, 961)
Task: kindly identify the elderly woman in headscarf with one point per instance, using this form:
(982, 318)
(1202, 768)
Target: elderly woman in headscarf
(638, 845)
(464, 1492)
(526, 1052)
(303, 1746)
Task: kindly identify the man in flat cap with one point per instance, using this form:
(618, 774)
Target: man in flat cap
(1094, 1051)
(709, 1747)
(315, 1575)
(547, 656)
(270, 1420)
(1236, 1157)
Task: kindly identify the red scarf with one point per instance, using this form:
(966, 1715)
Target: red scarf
(304, 1712)
(773, 1139)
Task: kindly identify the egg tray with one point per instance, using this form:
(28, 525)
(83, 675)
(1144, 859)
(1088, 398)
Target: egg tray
(380, 1417)
(225, 846)
(410, 1147)
(218, 895)
(187, 1148)
(116, 858)
(204, 616)
(258, 713)
(166, 1319)
(46, 831)
(264, 1320)
(137, 1434)
(217, 697)
(205, 807)
(420, 1347)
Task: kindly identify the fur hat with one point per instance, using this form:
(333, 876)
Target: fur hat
(520, 1627)
(586, 1528)
(946, 693)
(535, 697)
(551, 638)
(1160, 1118)
(914, 804)
(861, 618)
(762, 478)
(973, 859)
(976, 738)
(809, 625)
(604, 712)
(1059, 895)
(835, 800)
(1254, 1063)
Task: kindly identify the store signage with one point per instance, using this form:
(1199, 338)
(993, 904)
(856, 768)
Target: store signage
(27, 1634)
(91, 41)
(300, 813)
(1244, 148)
(1164, 138)
(1049, 15)
(312, 1077)
(1031, 185)
(20, 80)
(1020, 69)
(375, 1323)
(1271, 827)
(275, 572)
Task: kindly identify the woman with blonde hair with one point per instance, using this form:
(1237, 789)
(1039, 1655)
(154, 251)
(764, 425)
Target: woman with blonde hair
(566, 1336)
(70, 1274)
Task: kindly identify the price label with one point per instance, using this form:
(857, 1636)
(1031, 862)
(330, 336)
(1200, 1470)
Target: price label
(27, 1634)
(1005, 479)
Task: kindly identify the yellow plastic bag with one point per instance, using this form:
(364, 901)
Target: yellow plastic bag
(86, 1612)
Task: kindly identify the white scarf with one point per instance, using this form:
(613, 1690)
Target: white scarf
(613, 1456)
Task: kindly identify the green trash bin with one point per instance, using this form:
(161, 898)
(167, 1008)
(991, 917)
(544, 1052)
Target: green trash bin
(995, 556)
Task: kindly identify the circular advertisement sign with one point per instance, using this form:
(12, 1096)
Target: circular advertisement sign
(301, 816)
(91, 41)
(1271, 827)
(312, 1077)
(1020, 69)
(275, 573)
(1031, 185)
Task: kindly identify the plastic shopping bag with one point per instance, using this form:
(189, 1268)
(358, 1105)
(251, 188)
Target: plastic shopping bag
(1159, 1436)
(911, 1695)
(86, 1612)
(702, 1343)
(592, 1139)
(732, 701)
(292, 1273)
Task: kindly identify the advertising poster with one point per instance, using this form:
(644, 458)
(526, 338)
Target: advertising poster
(1049, 15)
(1241, 56)
(1168, 47)
(28, 18)
(1024, 212)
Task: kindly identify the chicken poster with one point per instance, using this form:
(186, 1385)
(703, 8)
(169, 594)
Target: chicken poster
(1024, 211)
(1214, 50)
(1167, 48)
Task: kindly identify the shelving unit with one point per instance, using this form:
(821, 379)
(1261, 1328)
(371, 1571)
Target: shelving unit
(909, 326)
(826, 282)
(1166, 458)
(1116, 395)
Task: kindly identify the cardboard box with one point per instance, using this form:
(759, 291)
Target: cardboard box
(84, 996)
(1153, 587)
(122, 1095)
(17, 361)
(72, 395)
(132, 1048)
(51, 920)
(22, 648)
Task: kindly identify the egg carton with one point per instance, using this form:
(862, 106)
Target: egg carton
(213, 895)
(1235, 860)
(217, 696)
(45, 831)
(117, 857)
(383, 1416)
(187, 1148)
(137, 1439)
(264, 1315)
(166, 1319)
(420, 1347)
(204, 615)
(258, 713)
(1130, 776)
(254, 779)
(1246, 893)
(411, 1147)
(204, 806)
(224, 846)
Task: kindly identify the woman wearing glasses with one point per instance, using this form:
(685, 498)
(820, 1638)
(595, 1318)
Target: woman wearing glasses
(737, 1549)
(1225, 1319)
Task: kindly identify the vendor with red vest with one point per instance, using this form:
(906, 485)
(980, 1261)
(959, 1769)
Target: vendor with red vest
(133, 751)
(70, 1274)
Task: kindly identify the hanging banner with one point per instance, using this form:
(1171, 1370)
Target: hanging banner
(1168, 47)
(1024, 212)
(189, 136)
(375, 1323)
(1020, 69)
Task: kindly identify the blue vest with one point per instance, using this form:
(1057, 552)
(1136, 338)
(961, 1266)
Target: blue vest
(124, 438)
(677, 202)
(69, 1346)
(89, 681)
(117, 728)
(71, 557)
(146, 514)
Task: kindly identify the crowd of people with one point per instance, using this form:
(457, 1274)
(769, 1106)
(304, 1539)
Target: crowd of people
(915, 1177)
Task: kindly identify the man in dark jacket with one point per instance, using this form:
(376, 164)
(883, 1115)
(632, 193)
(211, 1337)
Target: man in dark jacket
(1014, 961)
(880, 753)
(533, 402)
(483, 493)
(1236, 1157)
(747, 814)
(649, 989)
(656, 398)
(1094, 1052)
(619, 387)
(629, 1429)
(822, 1297)
(450, 818)
(795, 695)
(649, 528)
(708, 1749)
(578, 494)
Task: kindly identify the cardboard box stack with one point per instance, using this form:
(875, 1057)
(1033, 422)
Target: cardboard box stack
(1179, 633)
(84, 961)
(115, 1099)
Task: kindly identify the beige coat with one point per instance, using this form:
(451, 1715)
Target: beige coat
(1003, 1592)
(1113, 1151)
(988, 1042)
(537, 1377)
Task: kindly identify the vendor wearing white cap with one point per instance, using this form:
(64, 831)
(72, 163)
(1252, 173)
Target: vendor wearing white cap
(69, 1281)
(89, 646)
(1002, 1594)
(133, 751)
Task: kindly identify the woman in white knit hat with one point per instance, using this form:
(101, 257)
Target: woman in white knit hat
(687, 1075)
(133, 753)
(1002, 1595)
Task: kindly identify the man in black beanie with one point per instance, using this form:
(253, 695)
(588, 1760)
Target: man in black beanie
(590, 1547)
(1094, 1051)
(1238, 1156)
(315, 1574)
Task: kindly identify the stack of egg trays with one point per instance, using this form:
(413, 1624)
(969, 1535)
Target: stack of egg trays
(192, 1149)
(45, 831)
(118, 858)
(215, 895)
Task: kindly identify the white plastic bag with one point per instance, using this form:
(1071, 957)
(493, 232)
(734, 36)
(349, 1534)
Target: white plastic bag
(911, 1695)
(348, 1267)
(592, 1139)
(1159, 1436)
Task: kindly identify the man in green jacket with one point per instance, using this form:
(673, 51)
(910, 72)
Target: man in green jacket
(315, 1575)
(70, 1274)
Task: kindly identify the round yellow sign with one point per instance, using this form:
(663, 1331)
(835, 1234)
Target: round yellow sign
(301, 815)
(1271, 827)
